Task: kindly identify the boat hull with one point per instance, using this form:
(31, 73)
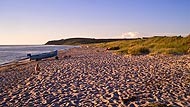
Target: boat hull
(43, 55)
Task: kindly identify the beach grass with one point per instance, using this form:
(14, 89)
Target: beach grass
(176, 45)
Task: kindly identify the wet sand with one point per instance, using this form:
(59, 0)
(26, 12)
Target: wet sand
(94, 77)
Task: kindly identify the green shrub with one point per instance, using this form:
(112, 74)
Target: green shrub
(123, 51)
(113, 48)
(139, 50)
(172, 51)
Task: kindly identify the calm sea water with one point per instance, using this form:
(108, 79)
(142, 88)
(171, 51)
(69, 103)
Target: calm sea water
(9, 53)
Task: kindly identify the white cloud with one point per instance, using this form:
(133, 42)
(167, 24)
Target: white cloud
(169, 34)
(140, 34)
(132, 35)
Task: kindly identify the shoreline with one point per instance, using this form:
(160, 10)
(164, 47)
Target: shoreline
(20, 61)
(89, 76)
(17, 53)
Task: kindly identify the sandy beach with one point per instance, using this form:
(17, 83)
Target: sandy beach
(92, 77)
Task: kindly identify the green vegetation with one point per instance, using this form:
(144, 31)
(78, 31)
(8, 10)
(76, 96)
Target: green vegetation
(79, 41)
(176, 45)
(113, 48)
(138, 50)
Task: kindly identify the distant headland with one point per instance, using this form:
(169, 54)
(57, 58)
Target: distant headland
(80, 41)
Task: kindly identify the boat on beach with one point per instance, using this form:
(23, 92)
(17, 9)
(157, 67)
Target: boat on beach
(43, 55)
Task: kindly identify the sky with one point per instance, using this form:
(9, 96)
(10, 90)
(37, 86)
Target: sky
(37, 21)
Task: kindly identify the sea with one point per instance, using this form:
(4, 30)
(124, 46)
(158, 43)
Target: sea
(10, 53)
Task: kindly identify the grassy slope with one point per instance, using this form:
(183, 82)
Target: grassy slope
(153, 45)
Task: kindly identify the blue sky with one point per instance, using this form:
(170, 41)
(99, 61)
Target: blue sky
(37, 21)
